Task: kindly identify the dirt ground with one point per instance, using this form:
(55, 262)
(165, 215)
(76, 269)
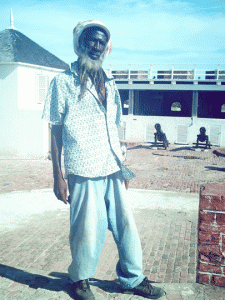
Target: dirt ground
(178, 168)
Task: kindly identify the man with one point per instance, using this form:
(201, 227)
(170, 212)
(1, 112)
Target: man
(83, 106)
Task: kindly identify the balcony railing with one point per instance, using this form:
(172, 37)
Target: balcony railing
(164, 73)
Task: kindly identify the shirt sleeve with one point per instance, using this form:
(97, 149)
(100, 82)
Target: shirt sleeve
(119, 107)
(54, 108)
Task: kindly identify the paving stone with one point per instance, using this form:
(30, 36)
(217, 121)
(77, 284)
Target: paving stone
(168, 241)
(176, 160)
(174, 297)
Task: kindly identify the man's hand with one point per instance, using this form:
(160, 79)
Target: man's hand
(126, 182)
(60, 189)
(60, 186)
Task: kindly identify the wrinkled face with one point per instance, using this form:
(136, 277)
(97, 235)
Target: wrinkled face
(95, 42)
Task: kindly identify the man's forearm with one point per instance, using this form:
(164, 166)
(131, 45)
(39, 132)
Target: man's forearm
(56, 150)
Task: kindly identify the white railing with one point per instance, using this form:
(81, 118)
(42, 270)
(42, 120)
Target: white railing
(166, 72)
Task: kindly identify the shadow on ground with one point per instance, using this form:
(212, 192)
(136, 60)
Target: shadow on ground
(181, 156)
(35, 281)
(219, 153)
(210, 168)
(106, 285)
(61, 282)
(182, 149)
(135, 147)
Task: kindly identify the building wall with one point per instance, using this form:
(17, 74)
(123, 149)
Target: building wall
(27, 134)
(181, 124)
(24, 133)
(211, 235)
(8, 109)
(29, 86)
(181, 130)
(35, 138)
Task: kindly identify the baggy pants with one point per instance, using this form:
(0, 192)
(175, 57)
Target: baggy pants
(98, 204)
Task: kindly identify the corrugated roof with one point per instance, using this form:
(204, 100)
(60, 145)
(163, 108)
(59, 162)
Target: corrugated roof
(16, 47)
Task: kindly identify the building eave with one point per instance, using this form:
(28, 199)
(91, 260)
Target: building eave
(33, 66)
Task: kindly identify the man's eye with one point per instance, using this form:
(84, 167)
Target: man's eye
(92, 43)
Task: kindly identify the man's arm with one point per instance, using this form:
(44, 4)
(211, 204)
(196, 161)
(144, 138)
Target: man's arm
(118, 120)
(60, 186)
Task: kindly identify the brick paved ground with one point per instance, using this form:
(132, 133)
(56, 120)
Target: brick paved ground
(35, 257)
(175, 169)
(168, 243)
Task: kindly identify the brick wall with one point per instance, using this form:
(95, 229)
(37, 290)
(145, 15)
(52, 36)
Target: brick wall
(211, 235)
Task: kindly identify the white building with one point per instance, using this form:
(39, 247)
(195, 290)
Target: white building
(148, 96)
(182, 99)
(26, 70)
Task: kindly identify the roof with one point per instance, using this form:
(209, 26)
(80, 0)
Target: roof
(16, 47)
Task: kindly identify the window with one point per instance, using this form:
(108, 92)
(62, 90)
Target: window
(163, 103)
(211, 104)
(42, 84)
(223, 108)
(126, 103)
(176, 106)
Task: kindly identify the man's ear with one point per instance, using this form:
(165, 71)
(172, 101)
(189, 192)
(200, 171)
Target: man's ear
(82, 41)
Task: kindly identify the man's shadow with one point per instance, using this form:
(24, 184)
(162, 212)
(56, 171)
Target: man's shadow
(60, 282)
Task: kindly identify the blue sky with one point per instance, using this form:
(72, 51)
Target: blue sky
(143, 31)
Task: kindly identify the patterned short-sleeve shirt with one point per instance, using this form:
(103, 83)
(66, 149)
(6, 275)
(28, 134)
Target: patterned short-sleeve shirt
(90, 132)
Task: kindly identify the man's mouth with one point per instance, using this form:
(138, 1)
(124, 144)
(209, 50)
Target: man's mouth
(94, 55)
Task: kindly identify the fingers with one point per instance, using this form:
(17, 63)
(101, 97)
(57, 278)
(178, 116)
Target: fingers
(126, 182)
(62, 197)
(60, 191)
(65, 201)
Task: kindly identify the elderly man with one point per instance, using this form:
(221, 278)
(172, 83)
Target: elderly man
(83, 106)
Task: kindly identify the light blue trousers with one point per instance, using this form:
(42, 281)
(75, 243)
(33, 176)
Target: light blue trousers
(98, 204)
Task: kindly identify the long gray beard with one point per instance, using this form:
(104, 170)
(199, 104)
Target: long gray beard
(88, 64)
(87, 67)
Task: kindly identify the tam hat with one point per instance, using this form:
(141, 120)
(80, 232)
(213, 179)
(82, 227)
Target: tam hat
(81, 26)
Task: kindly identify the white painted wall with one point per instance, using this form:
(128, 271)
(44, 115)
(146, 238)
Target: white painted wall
(27, 85)
(8, 109)
(35, 136)
(136, 127)
(23, 132)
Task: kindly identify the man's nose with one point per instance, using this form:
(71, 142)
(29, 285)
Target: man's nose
(97, 46)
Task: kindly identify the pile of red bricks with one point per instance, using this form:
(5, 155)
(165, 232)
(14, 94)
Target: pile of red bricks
(211, 235)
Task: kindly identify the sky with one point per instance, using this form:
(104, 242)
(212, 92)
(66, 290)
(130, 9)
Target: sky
(143, 31)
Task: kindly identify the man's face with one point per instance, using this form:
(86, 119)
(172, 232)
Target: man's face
(95, 43)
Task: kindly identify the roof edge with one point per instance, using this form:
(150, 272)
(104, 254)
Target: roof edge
(32, 66)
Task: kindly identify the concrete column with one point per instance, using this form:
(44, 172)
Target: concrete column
(195, 104)
(131, 102)
(136, 102)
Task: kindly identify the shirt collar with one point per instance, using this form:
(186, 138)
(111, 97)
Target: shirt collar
(74, 69)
